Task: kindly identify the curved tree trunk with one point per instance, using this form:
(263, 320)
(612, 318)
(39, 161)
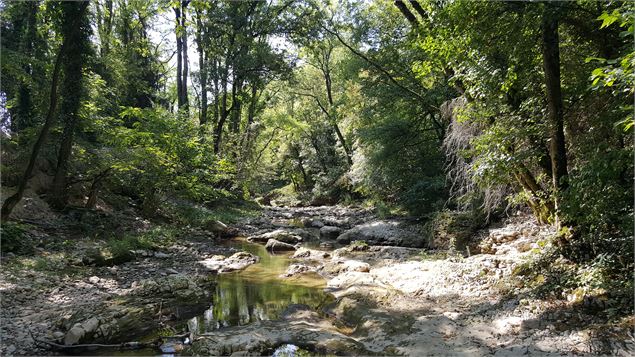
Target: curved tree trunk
(12, 201)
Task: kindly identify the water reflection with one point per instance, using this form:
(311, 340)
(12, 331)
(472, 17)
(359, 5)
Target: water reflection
(257, 293)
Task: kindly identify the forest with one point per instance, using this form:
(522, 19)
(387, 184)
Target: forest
(348, 177)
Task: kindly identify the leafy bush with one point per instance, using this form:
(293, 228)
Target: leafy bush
(452, 229)
(549, 274)
(14, 239)
(156, 154)
(226, 211)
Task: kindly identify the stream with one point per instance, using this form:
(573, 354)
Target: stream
(258, 293)
(243, 297)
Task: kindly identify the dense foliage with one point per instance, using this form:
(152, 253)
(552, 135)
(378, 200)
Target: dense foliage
(425, 105)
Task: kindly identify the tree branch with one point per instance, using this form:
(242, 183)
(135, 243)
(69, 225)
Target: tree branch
(380, 68)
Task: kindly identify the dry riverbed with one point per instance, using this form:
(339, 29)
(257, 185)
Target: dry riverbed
(387, 299)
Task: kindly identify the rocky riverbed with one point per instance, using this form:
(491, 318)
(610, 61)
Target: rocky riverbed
(389, 295)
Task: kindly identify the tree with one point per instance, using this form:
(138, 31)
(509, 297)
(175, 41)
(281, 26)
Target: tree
(23, 58)
(77, 33)
(67, 44)
(182, 64)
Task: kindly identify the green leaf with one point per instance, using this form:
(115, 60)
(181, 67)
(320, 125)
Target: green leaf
(608, 19)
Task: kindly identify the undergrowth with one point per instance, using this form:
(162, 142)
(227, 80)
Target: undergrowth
(595, 283)
(227, 212)
(15, 239)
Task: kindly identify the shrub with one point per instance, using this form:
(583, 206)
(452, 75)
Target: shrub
(14, 238)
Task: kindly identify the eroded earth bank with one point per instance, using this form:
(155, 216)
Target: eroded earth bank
(327, 280)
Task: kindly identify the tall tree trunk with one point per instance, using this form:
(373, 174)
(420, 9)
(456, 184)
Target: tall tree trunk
(13, 200)
(23, 117)
(333, 119)
(202, 71)
(78, 36)
(108, 26)
(252, 105)
(216, 89)
(551, 64)
(179, 57)
(104, 25)
(251, 112)
(236, 105)
(185, 59)
(306, 179)
(218, 132)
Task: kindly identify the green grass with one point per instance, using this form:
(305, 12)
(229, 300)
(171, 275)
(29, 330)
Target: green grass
(432, 255)
(55, 264)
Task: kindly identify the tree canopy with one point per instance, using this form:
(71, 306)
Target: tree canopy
(480, 107)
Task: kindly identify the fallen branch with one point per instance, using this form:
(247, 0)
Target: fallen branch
(126, 345)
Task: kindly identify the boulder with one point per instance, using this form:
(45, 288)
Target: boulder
(331, 221)
(384, 232)
(315, 224)
(238, 261)
(330, 232)
(280, 235)
(74, 335)
(340, 266)
(503, 235)
(276, 245)
(354, 278)
(296, 269)
(215, 226)
(304, 233)
(305, 253)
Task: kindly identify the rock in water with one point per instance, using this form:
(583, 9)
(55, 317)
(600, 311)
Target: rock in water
(329, 232)
(279, 235)
(296, 269)
(238, 261)
(310, 254)
(276, 245)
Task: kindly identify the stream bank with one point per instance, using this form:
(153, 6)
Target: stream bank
(324, 295)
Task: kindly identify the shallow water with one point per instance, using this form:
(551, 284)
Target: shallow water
(240, 298)
(258, 293)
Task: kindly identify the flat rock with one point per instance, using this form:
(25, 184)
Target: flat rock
(280, 235)
(306, 253)
(276, 245)
(384, 232)
(341, 266)
(297, 269)
(238, 261)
